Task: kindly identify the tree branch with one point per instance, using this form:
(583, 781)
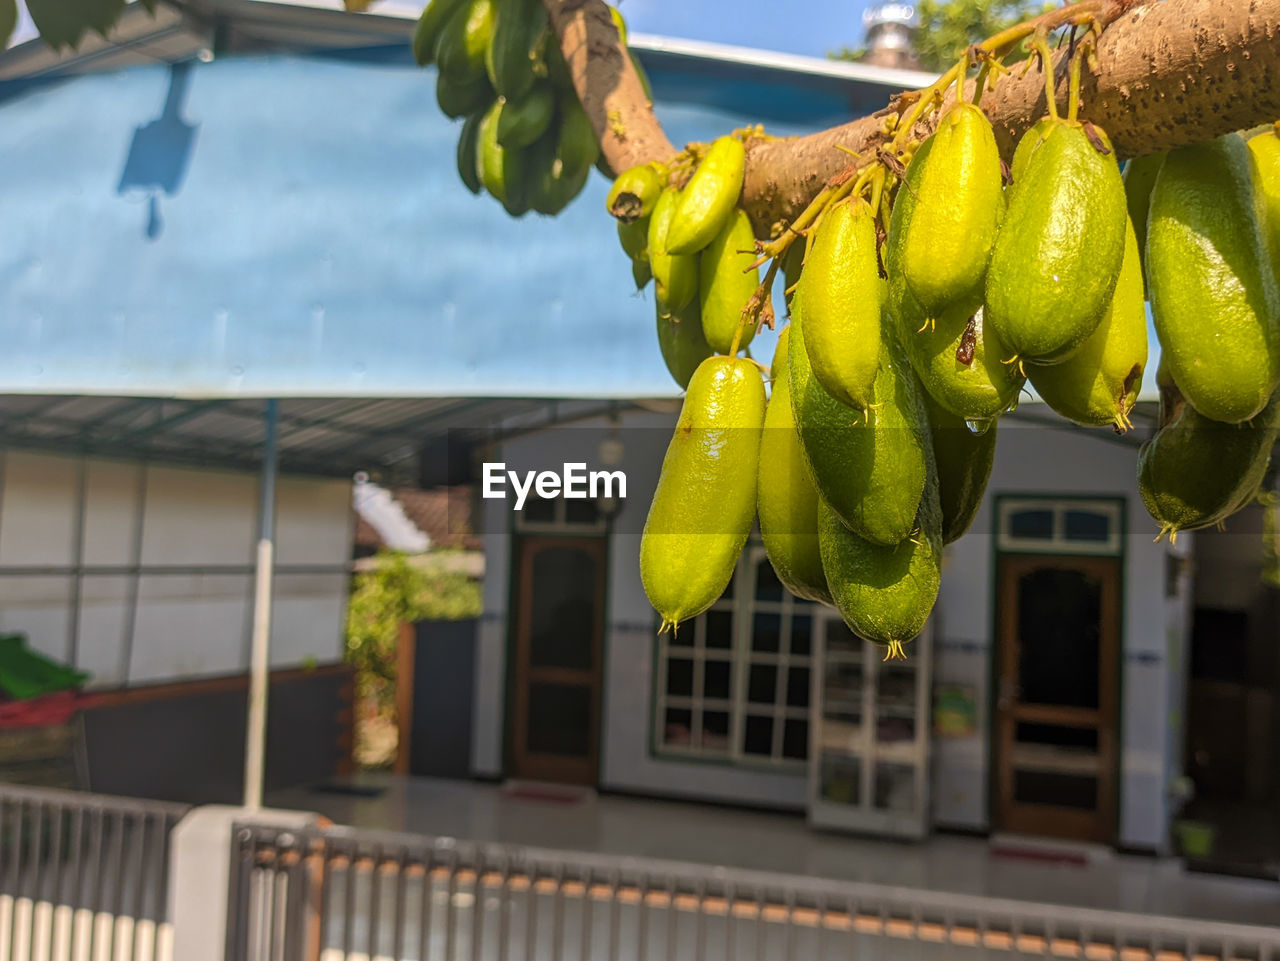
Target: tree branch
(1170, 73)
(607, 84)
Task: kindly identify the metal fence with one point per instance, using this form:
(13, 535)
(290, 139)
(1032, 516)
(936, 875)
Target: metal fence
(83, 877)
(346, 895)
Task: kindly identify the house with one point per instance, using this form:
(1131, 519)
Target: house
(414, 332)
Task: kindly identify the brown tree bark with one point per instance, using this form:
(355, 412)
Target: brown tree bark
(1170, 73)
(607, 84)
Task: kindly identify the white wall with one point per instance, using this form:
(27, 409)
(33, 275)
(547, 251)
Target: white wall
(1030, 459)
(70, 584)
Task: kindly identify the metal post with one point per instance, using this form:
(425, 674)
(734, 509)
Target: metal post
(255, 748)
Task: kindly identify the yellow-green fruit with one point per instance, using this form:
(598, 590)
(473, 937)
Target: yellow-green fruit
(946, 214)
(635, 191)
(885, 593)
(525, 120)
(426, 35)
(963, 458)
(956, 357)
(1265, 149)
(1139, 177)
(1030, 142)
(468, 144)
(675, 275)
(464, 40)
(502, 171)
(1099, 383)
(840, 297)
(634, 237)
(561, 159)
(1213, 294)
(706, 498)
(517, 31)
(680, 340)
(726, 281)
(1058, 253)
(1196, 472)
(870, 470)
(786, 500)
(709, 198)
(641, 273)
(578, 147)
(463, 99)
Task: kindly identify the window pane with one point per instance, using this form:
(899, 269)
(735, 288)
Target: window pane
(562, 627)
(1031, 524)
(842, 640)
(766, 632)
(559, 719)
(682, 634)
(801, 631)
(841, 779)
(1084, 525)
(762, 684)
(715, 679)
(581, 512)
(1059, 637)
(768, 587)
(719, 630)
(1056, 790)
(539, 511)
(758, 735)
(798, 687)
(715, 731)
(795, 738)
(895, 787)
(680, 676)
(678, 727)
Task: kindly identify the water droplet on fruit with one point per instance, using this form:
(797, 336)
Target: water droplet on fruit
(1013, 404)
(977, 427)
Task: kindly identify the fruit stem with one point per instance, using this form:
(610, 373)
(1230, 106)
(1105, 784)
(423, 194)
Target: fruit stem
(1084, 12)
(1041, 47)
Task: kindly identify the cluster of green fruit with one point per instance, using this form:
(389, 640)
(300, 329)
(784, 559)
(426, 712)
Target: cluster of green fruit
(525, 139)
(874, 447)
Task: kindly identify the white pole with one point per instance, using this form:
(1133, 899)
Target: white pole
(255, 748)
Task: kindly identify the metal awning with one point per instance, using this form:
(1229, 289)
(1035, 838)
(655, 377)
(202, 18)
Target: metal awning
(333, 437)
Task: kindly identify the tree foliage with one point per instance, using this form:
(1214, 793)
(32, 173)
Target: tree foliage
(947, 27)
(394, 592)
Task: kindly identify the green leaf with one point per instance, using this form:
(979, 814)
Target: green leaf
(8, 20)
(62, 23)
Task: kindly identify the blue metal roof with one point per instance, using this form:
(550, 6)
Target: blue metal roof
(292, 225)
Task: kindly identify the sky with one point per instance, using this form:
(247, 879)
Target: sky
(811, 27)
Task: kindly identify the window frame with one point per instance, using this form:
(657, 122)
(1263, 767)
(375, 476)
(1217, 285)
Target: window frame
(559, 523)
(743, 608)
(1113, 508)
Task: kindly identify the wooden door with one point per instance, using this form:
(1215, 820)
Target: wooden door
(1057, 736)
(559, 642)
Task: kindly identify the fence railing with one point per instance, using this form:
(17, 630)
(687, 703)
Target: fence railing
(346, 895)
(83, 877)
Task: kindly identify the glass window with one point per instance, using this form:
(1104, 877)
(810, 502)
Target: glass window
(1032, 524)
(1085, 525)
(1060, 526)
(734, 684)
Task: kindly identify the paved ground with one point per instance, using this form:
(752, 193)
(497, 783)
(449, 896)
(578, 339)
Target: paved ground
(779, 842)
